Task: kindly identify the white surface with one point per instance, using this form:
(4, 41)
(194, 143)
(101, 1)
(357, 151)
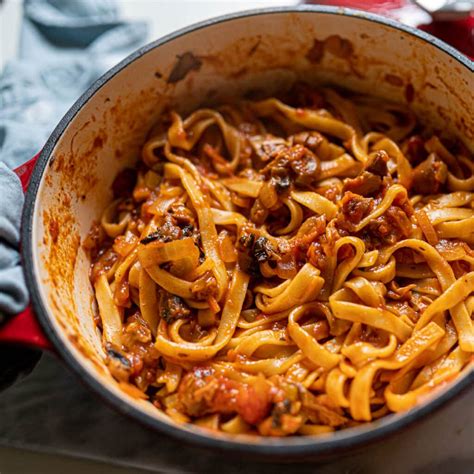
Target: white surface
(10, 24)
(166, 16)
(163, 16)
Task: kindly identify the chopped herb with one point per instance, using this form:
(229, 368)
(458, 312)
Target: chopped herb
(282, 183)
(262, 250)
(280, 408)
(187, 230)
(156, 236)
(254, 270)
(119, 357)
(166, 315)
(173, 307)
(247, 241)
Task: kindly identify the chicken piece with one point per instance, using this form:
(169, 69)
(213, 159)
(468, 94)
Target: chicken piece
(172, 307)
(320, 409)
(415, 150)
(203, 392)
(300, 163)
(391, 227)
(429, 175)
(309, 139)
(304, 164)
(369, 182)
(205, 286)
(377, 163)
(366, 184)
(354, 208)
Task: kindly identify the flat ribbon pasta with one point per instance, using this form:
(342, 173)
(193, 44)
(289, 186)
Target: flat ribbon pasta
(288, 266)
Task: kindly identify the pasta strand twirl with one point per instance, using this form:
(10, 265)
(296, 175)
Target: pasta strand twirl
(289, 266)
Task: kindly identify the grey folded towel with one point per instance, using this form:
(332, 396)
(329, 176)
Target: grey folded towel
(65, 46)
(13, 294)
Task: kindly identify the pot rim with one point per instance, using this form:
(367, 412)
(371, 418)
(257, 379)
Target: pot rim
(277, 447)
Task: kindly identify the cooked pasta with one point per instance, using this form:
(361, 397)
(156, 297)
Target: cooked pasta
(295, 265)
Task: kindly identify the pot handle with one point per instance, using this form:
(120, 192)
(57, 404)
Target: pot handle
(24, 328)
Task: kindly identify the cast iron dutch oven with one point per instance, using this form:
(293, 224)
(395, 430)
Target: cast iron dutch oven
(256, 51)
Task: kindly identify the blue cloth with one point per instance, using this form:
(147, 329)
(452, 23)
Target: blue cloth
(13, 294)
(65, 45)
